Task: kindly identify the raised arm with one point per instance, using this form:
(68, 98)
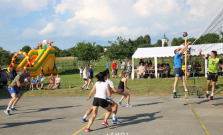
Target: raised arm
(202, 56)
(92, 91)
(184, 48)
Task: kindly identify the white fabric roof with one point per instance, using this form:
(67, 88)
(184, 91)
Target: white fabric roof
(169, 51)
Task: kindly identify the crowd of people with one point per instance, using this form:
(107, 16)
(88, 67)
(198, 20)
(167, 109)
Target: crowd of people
(34, 83)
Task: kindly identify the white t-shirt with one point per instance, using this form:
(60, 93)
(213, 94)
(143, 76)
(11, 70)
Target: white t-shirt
(141, 69)
(111, 84)
(42, 80)
(57, 80)
(81, 70)
(85, 74)
(101, 90)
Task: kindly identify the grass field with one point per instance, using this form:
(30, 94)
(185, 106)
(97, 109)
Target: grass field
(139, 87)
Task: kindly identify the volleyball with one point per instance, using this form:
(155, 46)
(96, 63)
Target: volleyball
(184, 34)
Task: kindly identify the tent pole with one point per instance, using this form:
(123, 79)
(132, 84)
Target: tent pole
(155, 59)
(205, 66)
(133, 72)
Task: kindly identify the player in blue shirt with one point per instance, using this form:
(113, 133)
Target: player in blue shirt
(178, 72)
(90, 77)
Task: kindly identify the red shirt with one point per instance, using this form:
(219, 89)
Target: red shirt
(52, 80)
(113, 66)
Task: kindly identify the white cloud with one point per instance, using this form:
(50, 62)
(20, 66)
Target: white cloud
(21, 7)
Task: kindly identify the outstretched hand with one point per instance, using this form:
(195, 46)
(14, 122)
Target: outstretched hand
(200, 51)
(89, 98)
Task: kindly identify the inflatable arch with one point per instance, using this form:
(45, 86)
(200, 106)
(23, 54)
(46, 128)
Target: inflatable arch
(16, 55)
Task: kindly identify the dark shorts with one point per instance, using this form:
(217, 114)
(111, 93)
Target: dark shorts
(178, 72)
(57, 83)
(13, 90)
(85, 79)
(52, 83)
(4, 83)
(109, 101)
(121, 90)
(212, 76)
(100, 102)
(91, 77)
(114, 72)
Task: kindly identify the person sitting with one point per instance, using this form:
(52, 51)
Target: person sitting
(52, 82)
(57, 82)
(188, 70)
(141, 70)
(160, 70)
(33, 83)
(165, 70)
(150, 71)
(38, 82)
(194, 68)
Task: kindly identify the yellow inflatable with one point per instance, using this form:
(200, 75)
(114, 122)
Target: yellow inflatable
(36, 59)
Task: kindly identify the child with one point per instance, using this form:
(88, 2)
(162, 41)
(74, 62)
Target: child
(33, 82)
(38, 81)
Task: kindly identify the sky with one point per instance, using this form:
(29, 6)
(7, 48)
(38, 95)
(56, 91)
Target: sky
(67, 22)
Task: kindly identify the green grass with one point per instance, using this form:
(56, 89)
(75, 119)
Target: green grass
(139, 87)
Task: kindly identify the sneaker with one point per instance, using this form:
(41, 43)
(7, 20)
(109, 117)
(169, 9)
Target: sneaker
(87, 130)
(84, 120)
(82, 88)
(175, 94)
(13, 109)
(207, 95)
(211, 98)
(128, 105)
(105, 123)
(88, 89)
(120, 102)
(7, 112)
(116, 121)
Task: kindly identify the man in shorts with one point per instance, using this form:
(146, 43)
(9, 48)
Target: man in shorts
(19, 81)
(90, 76)
(212, 74)
(114, 70)
(178, 72)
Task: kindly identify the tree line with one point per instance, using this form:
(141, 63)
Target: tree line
(120, 49)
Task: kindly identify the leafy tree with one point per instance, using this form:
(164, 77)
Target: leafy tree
(99, 49)
(87, 52)
(64, 53)
(5, 57)
(159, 42)
(174, 42)
(57, 51)
(191, 40)
(26, 48)
(165, 44)
(147, 39)
(72, 51)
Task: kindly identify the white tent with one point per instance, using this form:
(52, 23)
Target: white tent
(162, 52)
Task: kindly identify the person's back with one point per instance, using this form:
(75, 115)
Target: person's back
(91, 72)
(121, 85)
(101, 90)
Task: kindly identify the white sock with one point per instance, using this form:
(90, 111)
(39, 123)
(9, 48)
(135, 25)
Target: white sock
(207, 92)
(174, 90)
(7, 109)
(13, 106)
(113, 117)
(85, 116)
(212, 94)
(185, 89)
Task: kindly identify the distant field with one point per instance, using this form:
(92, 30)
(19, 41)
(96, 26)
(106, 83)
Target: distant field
(65, 58)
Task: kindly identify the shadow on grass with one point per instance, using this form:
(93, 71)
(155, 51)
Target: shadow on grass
(14, 124)
(148, 104)
(136, 119)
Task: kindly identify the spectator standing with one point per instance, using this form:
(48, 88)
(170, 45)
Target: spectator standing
(129, 68)
(114, 70)
(91, 75)
(85, 78)
(150, 62)
(81, 71)
(107, 65)
(123, 67)
(4, 76)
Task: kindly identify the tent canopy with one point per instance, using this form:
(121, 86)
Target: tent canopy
(152, 52)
